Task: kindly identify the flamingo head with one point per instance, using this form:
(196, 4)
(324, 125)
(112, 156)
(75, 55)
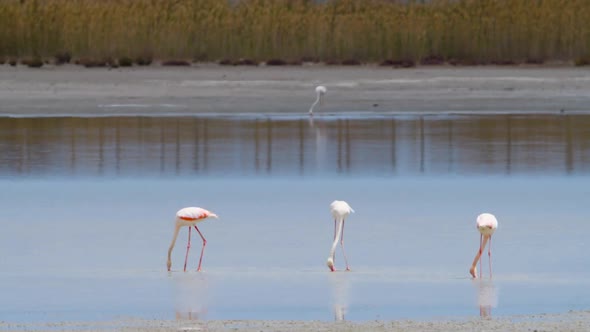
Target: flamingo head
(330, 264)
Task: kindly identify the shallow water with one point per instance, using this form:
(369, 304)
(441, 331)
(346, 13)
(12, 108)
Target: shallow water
(88, 204)
(292, 145)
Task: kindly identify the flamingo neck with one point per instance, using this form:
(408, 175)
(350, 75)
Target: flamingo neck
(317, 100)
(176, 230)
(333, 249)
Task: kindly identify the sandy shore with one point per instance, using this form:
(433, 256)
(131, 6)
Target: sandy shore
(72, 90)
(571, 321)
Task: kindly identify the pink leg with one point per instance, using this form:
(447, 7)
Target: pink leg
(188, 246)
(480, 250)
(342, 246)
(490, 256)
(202, 249)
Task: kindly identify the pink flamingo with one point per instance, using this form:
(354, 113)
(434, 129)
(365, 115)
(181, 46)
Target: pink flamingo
(340, 210)
(320, 91)
(486, 225)
(189, 216)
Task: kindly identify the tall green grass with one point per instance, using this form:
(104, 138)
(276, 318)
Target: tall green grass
(367, 30)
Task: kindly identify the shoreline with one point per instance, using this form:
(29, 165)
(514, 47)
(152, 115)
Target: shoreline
(568, 321)
(212, 89)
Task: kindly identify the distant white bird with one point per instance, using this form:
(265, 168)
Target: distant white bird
(340, 210)
(189, 216)
(320, 91)
(486, 225)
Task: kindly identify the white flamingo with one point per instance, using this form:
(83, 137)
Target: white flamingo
(340, 210)
(189, 216)
(320, 91)
(486, 225)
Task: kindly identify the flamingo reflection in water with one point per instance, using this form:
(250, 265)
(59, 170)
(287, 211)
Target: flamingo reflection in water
(487, 296)
(340, 284)
(191, 296)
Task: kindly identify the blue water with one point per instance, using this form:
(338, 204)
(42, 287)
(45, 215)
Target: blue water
(88, 208)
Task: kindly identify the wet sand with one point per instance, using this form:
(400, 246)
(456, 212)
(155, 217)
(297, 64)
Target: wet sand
(206, 89)
(570, 321)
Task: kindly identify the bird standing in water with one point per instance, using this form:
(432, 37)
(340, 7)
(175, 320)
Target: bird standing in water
(486, 225)
(320, 91)
(340, 210)
(189, 216)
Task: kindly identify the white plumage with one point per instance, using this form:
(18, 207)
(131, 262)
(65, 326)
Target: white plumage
(191, 215)
(340, 209)
(486, 224)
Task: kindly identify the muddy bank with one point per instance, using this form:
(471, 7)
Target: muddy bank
(571, 321)
(205, 89)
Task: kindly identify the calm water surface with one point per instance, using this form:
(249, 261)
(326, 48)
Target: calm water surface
(88, 204)
(294, 146)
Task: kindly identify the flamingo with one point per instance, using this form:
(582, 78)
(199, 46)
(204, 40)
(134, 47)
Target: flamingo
(189, 216)
(340, 210)
(320, 90)
(486, 225)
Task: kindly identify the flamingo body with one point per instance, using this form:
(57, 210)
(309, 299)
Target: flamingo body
(320, 91)
(189, 217)
(486, 224)
(339, 210)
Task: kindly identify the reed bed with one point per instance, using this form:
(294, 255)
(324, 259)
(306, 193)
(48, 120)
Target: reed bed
(464, 31)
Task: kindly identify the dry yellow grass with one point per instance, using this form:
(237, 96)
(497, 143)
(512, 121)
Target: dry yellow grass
(366, 30)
